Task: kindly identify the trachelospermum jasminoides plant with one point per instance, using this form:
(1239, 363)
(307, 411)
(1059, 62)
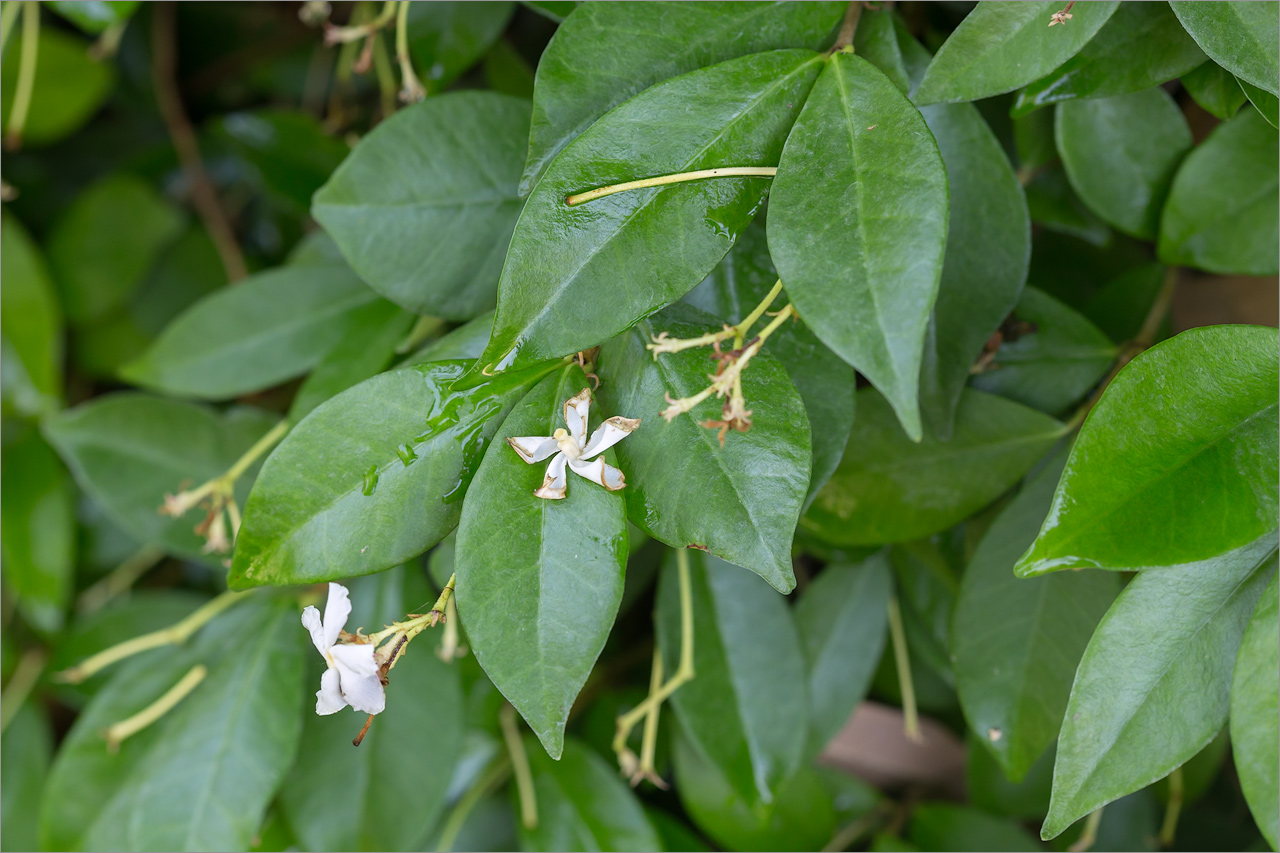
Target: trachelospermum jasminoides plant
(696, 371)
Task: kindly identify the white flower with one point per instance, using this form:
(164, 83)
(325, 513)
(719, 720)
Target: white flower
(572, 447)
(352, 676)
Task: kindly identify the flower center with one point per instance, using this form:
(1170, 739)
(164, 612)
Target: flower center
(567, 445)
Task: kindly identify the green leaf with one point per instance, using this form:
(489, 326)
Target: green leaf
(1254, 713)
(1142, 45)
(424, 206)
(1214, 89)
(1016, 643)
(202, 776)
(465, 342)
(1052, 203)
(128, 450)
(944, 826)
(384, 802)
(38, 530)
(1266, 103)
(446, 38)
(583, 805)
(989, 789)
(1121, 153)
(1241, 37)
(539, 581)
(741, 502)
(889, 489)
(604, 53)
(842, 618)
(876, 40)
(1033, 139)
(290, 150)
(1050, 356)
(24, 763)
(576, 276)
(1134, 717)
(69, 87)
(1121, 305)
(862, 265)
(94, 16)
(270, 327)
(30, 325)
(507, 71)
(105, 243)
(825, 382)
(1003, 45)
(745, 708)
(371, 478)
(1182, 442)
(1221, 213)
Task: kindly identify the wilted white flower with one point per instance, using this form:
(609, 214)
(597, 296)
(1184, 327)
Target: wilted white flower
(572, 448)
(352, 676)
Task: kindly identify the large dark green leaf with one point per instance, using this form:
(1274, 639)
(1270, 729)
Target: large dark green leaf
(290, 149)
(745, 709)
(25, 752)
(1267, 104)
(863, 264)
(1215, 89)
(741, 502)
(465, 342)
(1050, 362)
(1183, 442)
(539, 580)
(69, 87)
(129, 450)
(1222, 211)
(386, 802)
(1121, 153)
(446, 38)
(1255, 713)
(576, 276)
(604, 53)
(842, 617)
(1142, 45)
(1016, 643)
(889, 489)
(878, 41)
(270, 327)
(945, 826)
(583, 805)
(825, 382)
(30, 325)
(371, 478)
(423, 208)
(1003, 45)
(1241, 37)
(1153, 686)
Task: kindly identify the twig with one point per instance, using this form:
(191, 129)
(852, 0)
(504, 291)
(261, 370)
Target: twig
(520, 765)
(25, 676)
(848, 27)
(26, 74)
(902, 660)
(1089, 834)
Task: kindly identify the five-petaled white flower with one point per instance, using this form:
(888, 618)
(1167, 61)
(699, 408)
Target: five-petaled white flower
(572, 448)
(352, 676)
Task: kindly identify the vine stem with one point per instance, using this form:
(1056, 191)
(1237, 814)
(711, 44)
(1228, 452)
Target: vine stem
(116, 733)
(25, 676)
(26, 74)
(520, 765)
(8, 17)
(1089, 834)
(667, 180)
(495, 776)
(122, 577)
(1169, 828)
(902, 660)
(411, 88)
(848, 27)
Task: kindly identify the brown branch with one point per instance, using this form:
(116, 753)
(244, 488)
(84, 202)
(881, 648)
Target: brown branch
(848, 27)
(203, 197)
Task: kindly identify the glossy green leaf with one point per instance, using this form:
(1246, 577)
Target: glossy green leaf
(1003, 45)
(604, 53)
(926, 586)
(741, 502)
(94, 16)
(889, 489)
(446, 38)
(30, 325)
(25, 752)
(842, 618)
(862, 265)
(1050, 356)
(944, 826)
(1241, 37)
(270, 327)
(1121, 153)
(1266, 103)
(1190, 418)
(1255, 714)
(202, 776)
(1015, 642)
(290, 150)
(991, 790)
(1221, 213)
(1141, 45)
(105, 243)
(1053, 204)
(1213, 88)
(38, 529)
(380, 801)
(1133, 718)
(431, 233)
(69, 87)
(576, 276)
(583, 805)
(745, 709)
(465, 342)
(507, 71)
(1033, 140)
(371, 478)
(825, 382)
(127, 451)
(539, 581)
(876, 40)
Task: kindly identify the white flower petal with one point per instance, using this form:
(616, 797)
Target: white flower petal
(359, 677)
(608, 434)
(311, 621)
(355, 659)
(329, 697)
(336, 612)
(553, 485)
(533, 448)
(599, 471)
(575, 415)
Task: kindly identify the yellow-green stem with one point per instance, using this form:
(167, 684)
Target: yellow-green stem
(25, 676)
(649, 739)
(495, 776)
(260, 447)
(667, 180)
(1089, 834)
(902, 660)
(346, 35)
(1169, 829)
(8, 17)
(122, 577)
(117, 733)
(26, 72)
(520, 766)
(756, 313)
(411, 88)
(385, 75)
